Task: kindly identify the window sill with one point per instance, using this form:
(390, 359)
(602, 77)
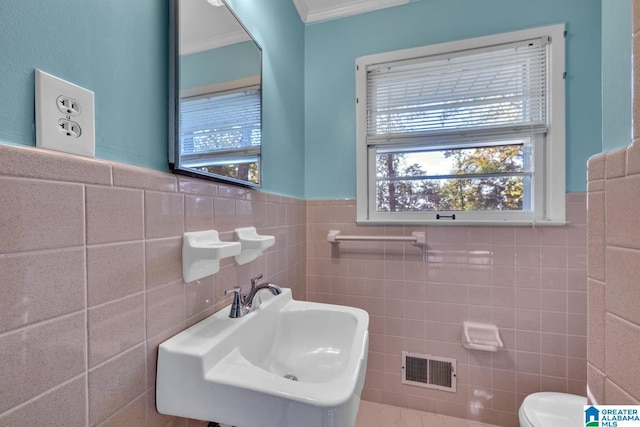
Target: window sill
(453, 223)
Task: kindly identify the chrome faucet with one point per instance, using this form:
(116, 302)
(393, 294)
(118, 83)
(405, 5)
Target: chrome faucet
(244, 303)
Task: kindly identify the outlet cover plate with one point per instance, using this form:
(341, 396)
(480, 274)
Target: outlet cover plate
(57, 130)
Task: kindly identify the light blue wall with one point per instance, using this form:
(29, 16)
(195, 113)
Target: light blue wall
(277, 28)
(115, 48)
(331, 49)
(119, 50)
(223, 64)
(616, 74)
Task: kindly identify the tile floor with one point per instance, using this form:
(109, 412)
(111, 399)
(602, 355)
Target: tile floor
(373, 414)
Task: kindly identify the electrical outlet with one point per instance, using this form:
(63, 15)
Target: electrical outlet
(65, 118)
(69, 128)
(68, 105)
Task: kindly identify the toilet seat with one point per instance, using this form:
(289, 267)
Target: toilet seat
(548, 409)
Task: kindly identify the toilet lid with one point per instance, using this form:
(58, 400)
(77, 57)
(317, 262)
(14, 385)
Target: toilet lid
(554, 409)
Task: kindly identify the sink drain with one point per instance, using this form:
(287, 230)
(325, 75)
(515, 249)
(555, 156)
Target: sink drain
(291, 377)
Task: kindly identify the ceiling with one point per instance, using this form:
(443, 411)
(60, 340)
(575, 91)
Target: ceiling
(204, 27)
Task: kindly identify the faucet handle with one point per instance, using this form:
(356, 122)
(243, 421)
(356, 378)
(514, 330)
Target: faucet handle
(254, 281)
(235, 289)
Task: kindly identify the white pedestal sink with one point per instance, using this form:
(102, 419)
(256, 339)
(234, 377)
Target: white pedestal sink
(288, 364)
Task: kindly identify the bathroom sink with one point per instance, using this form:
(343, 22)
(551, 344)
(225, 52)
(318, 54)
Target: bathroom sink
(287, 364)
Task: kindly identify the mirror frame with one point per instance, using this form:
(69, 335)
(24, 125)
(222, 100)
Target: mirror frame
(174, 103)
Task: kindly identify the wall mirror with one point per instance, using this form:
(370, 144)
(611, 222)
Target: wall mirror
(215, 111)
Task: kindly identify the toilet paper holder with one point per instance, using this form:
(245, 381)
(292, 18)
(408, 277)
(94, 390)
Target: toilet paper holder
(481, 336)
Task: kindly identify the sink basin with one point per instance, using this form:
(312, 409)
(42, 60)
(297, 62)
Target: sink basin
(288, 364)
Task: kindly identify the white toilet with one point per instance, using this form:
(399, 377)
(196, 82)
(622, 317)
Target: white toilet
(546, 409)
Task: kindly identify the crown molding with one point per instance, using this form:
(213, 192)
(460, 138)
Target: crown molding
(309, 15)
(303, 10)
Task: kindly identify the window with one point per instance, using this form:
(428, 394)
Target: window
(220, 133)
(463, 132)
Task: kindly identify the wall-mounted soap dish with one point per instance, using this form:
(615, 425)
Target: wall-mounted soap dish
(202, 252)
(252, 244)
(481, 336)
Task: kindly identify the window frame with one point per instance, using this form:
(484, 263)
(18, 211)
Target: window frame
(549, 190)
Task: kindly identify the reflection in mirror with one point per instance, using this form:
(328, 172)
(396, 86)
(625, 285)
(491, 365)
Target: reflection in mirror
(215, 128)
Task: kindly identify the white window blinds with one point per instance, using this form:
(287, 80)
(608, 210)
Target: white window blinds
(220, 123)
(496, 89)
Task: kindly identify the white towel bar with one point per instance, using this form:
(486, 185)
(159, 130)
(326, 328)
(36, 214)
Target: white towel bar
(417, 238)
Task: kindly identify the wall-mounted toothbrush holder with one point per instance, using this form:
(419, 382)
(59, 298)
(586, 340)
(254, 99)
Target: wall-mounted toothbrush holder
(481, 336)
(202, 252)
(252, 244)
